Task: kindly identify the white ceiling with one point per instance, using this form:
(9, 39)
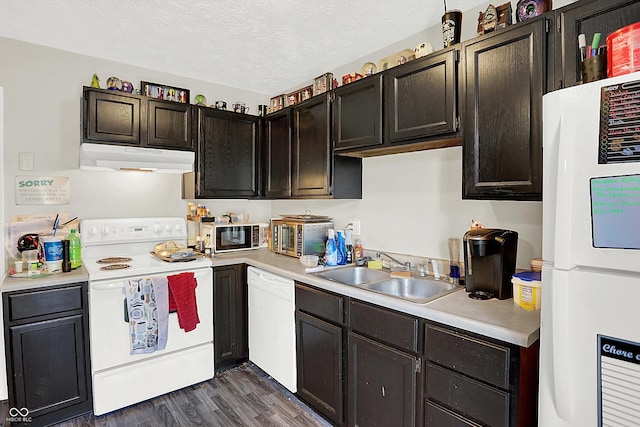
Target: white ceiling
(265, 46)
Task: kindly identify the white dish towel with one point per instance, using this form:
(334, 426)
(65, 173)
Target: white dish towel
(148, 309)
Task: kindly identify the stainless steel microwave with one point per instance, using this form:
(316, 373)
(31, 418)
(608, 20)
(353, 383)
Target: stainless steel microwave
(238, 237)
(297, 238)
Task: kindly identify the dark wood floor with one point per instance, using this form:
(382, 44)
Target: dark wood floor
(243, 396)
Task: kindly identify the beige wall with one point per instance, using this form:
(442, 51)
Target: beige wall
(42, 96)
(411, 202)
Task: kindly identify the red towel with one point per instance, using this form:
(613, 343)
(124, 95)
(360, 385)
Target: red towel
(182, 298)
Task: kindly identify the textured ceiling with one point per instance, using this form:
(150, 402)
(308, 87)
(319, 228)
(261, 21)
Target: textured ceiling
(265, 46)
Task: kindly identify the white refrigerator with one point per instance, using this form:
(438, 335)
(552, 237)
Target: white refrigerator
(590, 316)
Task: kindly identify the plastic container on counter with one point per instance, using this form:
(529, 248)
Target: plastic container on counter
(527, 290)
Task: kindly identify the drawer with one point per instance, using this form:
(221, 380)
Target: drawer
(466, 396)
(437, 416)
(321, 304)
(397, 329)
(23, 305)
(482, 360)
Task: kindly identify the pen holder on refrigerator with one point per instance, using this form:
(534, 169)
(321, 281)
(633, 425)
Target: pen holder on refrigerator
(594, 68)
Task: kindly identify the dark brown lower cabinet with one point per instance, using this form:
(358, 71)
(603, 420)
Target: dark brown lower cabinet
(47, 352)
(477, 381)
(230, 316)
(360, 364)
(382, 384)
(319, 353)
(319, 350)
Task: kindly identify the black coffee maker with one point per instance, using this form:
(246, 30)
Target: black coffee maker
(489, 262)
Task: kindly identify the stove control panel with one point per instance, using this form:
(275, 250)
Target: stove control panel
(94, 232)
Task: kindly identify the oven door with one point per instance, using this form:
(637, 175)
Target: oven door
(110, 345)
(233, 238)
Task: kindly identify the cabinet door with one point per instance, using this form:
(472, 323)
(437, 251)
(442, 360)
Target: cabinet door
(278, 154)
(587, 18)
(229, 316)
(169, 125)
(112, 117)
(49, 361)
(503, 80)
(319, 366)
(311, 148)
(357, 113)
(227, 154)
(382, 384)
(421, 98)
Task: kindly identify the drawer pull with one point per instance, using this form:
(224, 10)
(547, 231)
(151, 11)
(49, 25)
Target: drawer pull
(383, 395)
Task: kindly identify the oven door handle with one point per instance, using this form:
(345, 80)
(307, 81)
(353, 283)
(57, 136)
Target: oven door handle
(106, 286)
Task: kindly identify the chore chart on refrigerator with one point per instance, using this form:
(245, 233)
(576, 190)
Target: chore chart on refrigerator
(618, 382)
(620, 123)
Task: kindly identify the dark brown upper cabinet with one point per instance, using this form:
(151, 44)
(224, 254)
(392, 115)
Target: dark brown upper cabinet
(357, 114)
(315, 171)
(312, 147)
(277, 181)
(227, 156)
(587, 17)
(113, 117)
(169, 125)
(503, 79)
(420, 98)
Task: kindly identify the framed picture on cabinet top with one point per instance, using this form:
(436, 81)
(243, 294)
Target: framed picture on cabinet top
(165, 92)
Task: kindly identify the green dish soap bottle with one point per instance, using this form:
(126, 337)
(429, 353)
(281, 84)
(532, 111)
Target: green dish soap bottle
(75, 249)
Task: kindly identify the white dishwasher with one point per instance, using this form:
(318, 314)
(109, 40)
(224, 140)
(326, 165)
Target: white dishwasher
(272, 327)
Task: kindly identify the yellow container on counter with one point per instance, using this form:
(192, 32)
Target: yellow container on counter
(527, 289)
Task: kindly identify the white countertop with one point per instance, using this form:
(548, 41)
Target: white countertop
(499, 319)
(18, 284)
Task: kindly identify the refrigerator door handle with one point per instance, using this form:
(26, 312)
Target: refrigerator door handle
(564, 198)
(559, 322)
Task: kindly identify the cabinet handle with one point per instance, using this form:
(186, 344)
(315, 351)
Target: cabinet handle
(383, 394)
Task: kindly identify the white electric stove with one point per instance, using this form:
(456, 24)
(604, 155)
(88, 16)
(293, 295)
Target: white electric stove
(115, 251)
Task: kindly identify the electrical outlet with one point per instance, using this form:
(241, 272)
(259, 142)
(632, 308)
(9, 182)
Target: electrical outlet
(356, 226)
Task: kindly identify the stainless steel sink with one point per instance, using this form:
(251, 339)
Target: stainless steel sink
(353, 275)
(419, 290)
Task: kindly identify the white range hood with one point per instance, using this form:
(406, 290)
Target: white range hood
(116, 157)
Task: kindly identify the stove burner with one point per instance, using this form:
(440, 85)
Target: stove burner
(113, 260)
(115, 267)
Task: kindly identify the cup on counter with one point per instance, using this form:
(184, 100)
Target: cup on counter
(30, 261)
(451, 27)
(18, 265)
(221, 105)
(52, 253)
(262, 110)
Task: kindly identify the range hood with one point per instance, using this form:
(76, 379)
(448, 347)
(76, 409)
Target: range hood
(116, 157)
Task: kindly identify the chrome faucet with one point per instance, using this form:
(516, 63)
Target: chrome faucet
(406, 265)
